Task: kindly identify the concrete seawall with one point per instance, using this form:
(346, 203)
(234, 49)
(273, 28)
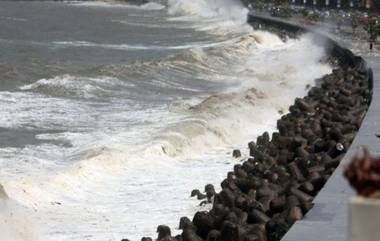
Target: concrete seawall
(327, 221)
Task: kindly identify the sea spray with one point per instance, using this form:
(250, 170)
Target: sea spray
(15, 221)
(125, 130)
(226, 9)
(212, 123)
(218, 16)
(118, 4)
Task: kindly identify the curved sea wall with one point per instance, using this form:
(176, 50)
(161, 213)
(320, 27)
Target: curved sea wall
(275, 188)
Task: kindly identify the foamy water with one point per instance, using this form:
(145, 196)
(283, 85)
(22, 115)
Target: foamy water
(110, 141)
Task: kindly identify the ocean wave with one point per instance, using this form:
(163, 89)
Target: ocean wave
(16, 223)
(119, 151)
(76, 86)
(160, 25)
(221, 16)
(223, 119)
(141, 47)
(117, 4)
(161, 157)
(203, 66)
(152, 6)
(14, 19)
(240, 66)
(259, 90)
(225, 9)
(218, 121)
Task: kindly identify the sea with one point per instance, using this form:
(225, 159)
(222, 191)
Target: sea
(111, 113)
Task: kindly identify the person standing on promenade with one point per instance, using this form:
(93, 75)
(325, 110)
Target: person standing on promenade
(372, 29)
(354, 23)
(339, 22)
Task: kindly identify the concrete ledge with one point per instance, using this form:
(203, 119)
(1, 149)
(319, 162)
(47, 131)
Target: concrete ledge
(327, 221)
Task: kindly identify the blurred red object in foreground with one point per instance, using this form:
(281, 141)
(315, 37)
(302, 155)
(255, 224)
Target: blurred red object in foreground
(363, 174)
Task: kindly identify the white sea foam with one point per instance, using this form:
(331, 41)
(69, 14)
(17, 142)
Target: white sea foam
(152, 6)
(226, 9)
(261, 94)
(127, 156)
(221, 16)
(218, 123)
(69, 85)
(118, 4)
(15, 221)
(142, 47)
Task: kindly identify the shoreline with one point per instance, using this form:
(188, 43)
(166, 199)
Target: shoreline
(265, 195)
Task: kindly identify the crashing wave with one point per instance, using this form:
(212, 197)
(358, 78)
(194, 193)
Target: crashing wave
(120, 4)
(218, 16)
(15, 221)
(75, 86)
(3, 194)
(259, 85)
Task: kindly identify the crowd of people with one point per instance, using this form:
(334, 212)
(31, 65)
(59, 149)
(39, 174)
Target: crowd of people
(358, 23)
